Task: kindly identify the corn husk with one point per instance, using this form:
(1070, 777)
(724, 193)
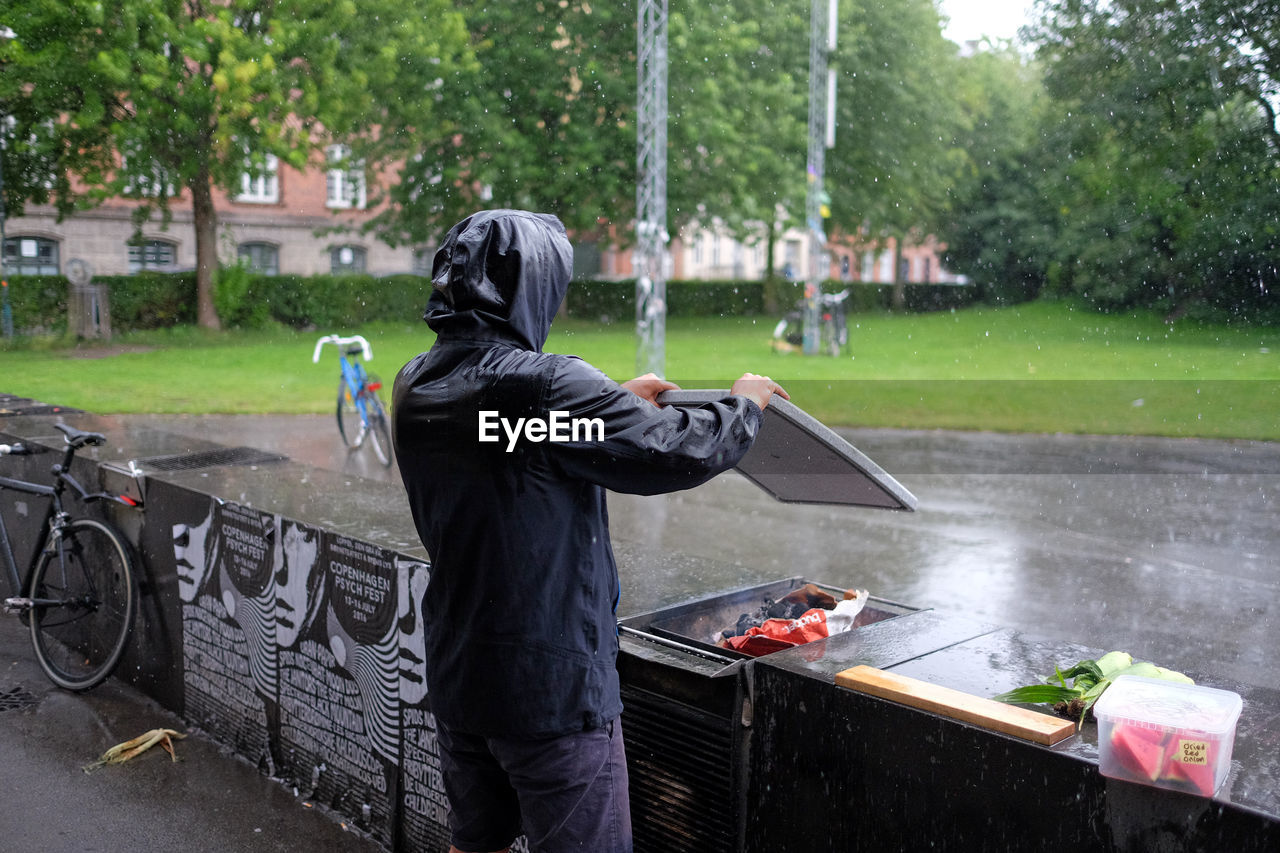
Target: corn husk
(122, 752)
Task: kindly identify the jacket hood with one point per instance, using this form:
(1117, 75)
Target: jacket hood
(500, 275)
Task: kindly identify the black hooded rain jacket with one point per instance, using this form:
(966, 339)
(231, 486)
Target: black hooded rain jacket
(520, 610)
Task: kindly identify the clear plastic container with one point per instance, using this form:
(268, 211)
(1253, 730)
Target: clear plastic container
(1166, 734)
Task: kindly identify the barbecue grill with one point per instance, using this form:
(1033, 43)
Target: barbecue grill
(687, 712)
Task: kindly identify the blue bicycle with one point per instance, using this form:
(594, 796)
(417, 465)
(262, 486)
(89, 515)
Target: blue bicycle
(361, 413)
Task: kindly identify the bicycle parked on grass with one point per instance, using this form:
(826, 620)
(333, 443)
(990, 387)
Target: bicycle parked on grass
(78, 593)
(361, 413)
(833, 328)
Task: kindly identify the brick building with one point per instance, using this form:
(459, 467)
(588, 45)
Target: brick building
(306, 222)
(285, 221)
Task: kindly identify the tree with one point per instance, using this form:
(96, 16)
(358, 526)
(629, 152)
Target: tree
(547, 119)
(895, 155)
(544, 121)
(195, 95)
(41, 154)
(738, 93)
(1002, 219)
(1168, 190)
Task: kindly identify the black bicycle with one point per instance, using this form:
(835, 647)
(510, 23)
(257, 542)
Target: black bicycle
(78, 593)
(833, 328)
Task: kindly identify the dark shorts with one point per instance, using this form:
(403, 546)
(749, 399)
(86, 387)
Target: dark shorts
(565, 794)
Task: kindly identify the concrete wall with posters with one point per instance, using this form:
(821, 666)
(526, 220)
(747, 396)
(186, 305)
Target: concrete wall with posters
(275, 618)
(301, 651)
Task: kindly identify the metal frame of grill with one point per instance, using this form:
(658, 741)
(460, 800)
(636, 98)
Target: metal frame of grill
(687, 713)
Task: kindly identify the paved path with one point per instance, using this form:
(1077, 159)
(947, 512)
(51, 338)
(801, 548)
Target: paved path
(1167, 548)
(208, 802)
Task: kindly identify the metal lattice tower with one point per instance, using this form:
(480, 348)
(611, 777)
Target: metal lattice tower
(651, 188)
(822, 96)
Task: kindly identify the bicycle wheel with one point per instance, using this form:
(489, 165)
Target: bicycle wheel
(830, 340)
(379, 430)
(348, 417)
(83, 596)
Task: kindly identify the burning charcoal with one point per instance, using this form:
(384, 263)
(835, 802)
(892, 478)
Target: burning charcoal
(745, 622)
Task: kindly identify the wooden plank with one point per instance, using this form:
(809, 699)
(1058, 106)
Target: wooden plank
(965, 707)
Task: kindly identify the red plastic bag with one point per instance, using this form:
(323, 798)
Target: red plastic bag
(777, 634)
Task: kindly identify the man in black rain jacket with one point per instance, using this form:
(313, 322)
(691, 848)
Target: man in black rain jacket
(506, 453)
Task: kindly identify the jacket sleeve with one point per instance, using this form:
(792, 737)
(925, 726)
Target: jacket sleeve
(629, 445)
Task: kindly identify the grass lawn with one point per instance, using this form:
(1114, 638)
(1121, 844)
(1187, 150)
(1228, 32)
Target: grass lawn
(1042, 367)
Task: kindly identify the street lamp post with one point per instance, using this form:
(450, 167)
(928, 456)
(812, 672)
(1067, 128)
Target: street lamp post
(6, 312)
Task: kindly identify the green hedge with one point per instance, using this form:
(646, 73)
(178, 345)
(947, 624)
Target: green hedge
(615, 301)
(158, 300)
(922, 298)
(321, 300)
(244, 299)
(150, 300)
(39, 304)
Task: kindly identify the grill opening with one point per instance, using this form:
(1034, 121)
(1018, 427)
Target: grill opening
(697, 624)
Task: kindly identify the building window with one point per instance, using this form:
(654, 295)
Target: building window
(264, 187)
(886, 267)
(145, 177)
(30, 256)
(261, 258)
(153, 255)
(344, 182)
(347, 259)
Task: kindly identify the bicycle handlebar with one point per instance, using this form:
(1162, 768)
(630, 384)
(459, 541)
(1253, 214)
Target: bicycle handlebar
(340, 341)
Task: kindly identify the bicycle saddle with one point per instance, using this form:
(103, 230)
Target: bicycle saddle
(79, 438)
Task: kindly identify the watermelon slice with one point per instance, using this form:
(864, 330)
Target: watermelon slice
(1140, 750)
(1191, 760)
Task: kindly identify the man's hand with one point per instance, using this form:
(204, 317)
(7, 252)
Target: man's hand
(759, 389)
(649, 387)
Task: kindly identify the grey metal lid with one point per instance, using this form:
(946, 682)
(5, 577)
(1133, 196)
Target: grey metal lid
(798, 459)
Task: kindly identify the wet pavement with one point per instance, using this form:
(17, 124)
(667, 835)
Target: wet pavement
(1166, 548)
(209, 801)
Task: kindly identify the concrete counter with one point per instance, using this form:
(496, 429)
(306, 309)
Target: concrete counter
(278, 613)
(903, 774)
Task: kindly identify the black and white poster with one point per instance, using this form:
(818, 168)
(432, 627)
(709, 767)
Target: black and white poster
(339, 688)
(303, 651)
(224, 567)
(425, 824)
